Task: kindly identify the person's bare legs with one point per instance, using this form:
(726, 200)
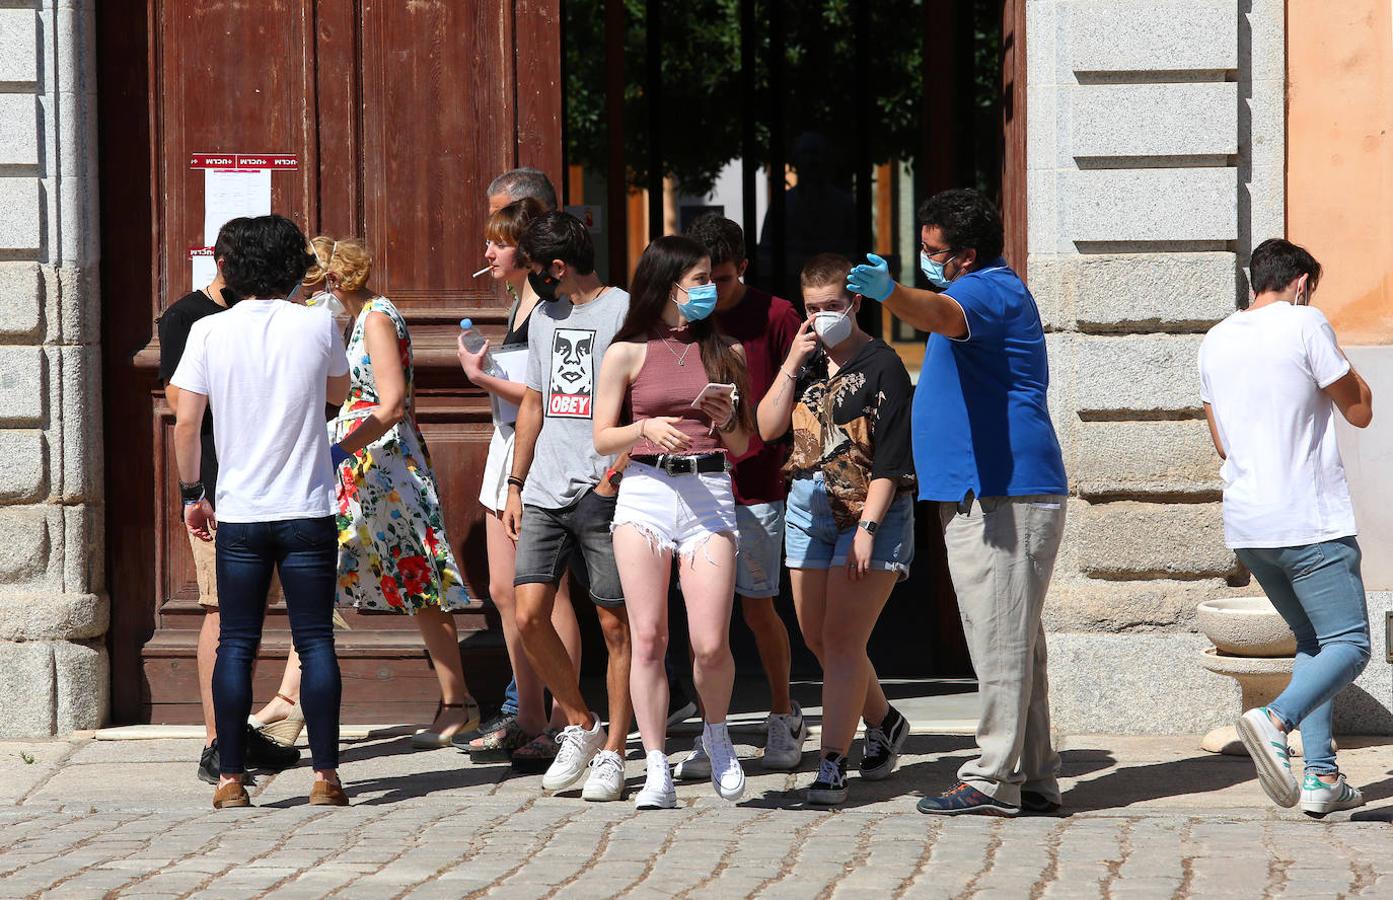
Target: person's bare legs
(278, 709)
(644, 571)
(442, 642)
(708, 588)
(771, 639)
(207, 656)
(810, 603)
(535, 605)
(502, 556)
(850, 613)
(614, 624)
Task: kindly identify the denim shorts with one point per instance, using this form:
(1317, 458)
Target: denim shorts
(812, 539)
(759, 565)
(549, 539)
(676, 512)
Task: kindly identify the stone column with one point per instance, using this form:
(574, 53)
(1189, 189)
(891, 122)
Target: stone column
(53, 609)
(1155, 155)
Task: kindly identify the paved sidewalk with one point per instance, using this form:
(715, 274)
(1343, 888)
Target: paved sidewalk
(1148, 817)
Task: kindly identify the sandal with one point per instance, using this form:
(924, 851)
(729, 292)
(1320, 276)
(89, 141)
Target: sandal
(535, 757)
(434, 740)
(286, 732)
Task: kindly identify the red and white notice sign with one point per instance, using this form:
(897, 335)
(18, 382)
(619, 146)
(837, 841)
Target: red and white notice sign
(237, 184)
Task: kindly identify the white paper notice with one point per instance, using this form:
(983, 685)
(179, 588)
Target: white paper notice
(203, 267)
(229, 193)
(514, 366)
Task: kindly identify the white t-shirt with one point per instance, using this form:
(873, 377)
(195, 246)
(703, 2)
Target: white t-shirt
(263, 365)
(1263, 371)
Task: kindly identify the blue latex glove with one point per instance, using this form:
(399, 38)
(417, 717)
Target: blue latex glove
(872, 280)
(338, 455)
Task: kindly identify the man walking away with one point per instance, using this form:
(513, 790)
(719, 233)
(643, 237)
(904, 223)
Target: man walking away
(986, 452)
(267, 367)
(1271, 378)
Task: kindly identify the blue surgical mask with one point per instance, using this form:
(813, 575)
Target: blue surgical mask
(701, 301)
(933, 270)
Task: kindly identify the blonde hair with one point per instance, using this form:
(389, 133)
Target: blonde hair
(348, 259)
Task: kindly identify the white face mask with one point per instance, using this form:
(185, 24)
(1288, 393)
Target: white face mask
(832, 328)
(327, 300)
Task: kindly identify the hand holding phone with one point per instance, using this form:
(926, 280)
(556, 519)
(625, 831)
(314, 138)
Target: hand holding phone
(718, 402)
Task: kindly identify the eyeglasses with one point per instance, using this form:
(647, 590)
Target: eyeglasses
(932, 253)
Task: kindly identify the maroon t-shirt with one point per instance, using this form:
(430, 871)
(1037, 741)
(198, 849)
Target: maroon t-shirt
(766, 326)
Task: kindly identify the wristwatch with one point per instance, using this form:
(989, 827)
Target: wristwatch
(868, 526)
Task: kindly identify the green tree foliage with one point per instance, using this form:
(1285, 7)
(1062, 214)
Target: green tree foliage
(701, 103)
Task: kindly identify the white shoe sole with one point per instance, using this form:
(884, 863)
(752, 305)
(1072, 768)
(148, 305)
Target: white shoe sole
(552, 782)
(1277, 782)
(645, 800)
(828, 797)
(601, 793)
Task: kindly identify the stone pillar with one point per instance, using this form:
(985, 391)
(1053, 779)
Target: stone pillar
(53, 609)
(1155, 156)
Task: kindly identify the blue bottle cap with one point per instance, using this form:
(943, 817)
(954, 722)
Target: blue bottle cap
(466, 324)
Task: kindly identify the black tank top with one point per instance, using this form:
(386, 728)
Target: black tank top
(517, 332)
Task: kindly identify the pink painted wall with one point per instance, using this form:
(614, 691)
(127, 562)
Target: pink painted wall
(1340, 157)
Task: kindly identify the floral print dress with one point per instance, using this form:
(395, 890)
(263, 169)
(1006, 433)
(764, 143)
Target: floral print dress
(393, 552)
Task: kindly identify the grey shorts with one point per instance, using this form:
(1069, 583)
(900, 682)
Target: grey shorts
(759, 566)
(549, 539)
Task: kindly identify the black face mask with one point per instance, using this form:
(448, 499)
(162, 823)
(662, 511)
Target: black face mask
(543, 284)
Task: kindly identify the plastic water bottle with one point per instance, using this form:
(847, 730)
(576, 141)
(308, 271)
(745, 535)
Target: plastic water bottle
(473, 341)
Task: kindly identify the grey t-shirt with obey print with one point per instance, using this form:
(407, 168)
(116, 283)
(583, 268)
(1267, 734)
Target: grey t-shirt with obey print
(565, 344)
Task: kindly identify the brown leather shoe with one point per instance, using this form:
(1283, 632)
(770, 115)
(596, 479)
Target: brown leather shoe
(230, 795)
(326, 793)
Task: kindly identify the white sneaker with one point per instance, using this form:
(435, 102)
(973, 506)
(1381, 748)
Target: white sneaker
(783, 748)
(578, 746)
(726, 775)
(657, 792)
(697, 765)
(1319, 798)
(1267, 745)
(606, 781)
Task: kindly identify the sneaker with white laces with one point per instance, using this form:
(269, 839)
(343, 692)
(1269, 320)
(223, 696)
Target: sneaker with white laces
(606, 781)
(577, 747)
(1319, 798)
(829, 788)
(697, 765)
(882, 746)
(657, 791)
(1267, 745)
(727, 777)
(783, 748)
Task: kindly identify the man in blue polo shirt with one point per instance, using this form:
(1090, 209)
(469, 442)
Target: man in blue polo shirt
(986, 453)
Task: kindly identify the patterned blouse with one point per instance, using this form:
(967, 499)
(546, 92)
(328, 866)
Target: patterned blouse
(854, 427)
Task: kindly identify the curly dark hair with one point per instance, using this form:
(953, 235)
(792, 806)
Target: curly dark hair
(968, 220)
(721, 237)
(266, 257)
(1277, 263)
(558, 235)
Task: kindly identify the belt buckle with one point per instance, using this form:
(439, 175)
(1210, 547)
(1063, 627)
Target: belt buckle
(676, 465)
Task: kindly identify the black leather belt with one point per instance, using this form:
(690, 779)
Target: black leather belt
(686, 465)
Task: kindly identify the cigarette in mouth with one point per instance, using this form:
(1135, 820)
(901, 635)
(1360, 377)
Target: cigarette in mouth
(481, 271)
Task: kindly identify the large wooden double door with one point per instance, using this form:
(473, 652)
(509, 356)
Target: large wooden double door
(399, 113)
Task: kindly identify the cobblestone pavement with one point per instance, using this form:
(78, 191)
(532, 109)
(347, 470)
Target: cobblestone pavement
(1147, 818)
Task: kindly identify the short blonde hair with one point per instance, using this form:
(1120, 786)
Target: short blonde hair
(347, 258)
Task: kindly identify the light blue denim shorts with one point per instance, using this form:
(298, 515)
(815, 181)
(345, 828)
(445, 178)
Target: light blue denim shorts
(759, 565)
(812, 539)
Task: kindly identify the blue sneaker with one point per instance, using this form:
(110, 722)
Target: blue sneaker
(966, 800)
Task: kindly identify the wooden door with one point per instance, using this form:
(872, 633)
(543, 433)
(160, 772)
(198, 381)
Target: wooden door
(400, 114)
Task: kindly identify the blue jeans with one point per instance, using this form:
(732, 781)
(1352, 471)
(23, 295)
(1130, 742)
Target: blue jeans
(305, 554)
(1318, 590)
(510, 699)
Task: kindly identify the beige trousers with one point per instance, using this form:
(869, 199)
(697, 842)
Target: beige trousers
(1001, 553)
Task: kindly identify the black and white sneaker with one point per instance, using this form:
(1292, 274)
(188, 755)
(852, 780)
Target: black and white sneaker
(882, 746)
(208, 764)
(829, 788)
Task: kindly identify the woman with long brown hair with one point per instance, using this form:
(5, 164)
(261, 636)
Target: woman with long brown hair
(670, 393)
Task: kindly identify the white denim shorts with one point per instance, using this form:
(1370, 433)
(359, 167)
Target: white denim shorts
(676, 512)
